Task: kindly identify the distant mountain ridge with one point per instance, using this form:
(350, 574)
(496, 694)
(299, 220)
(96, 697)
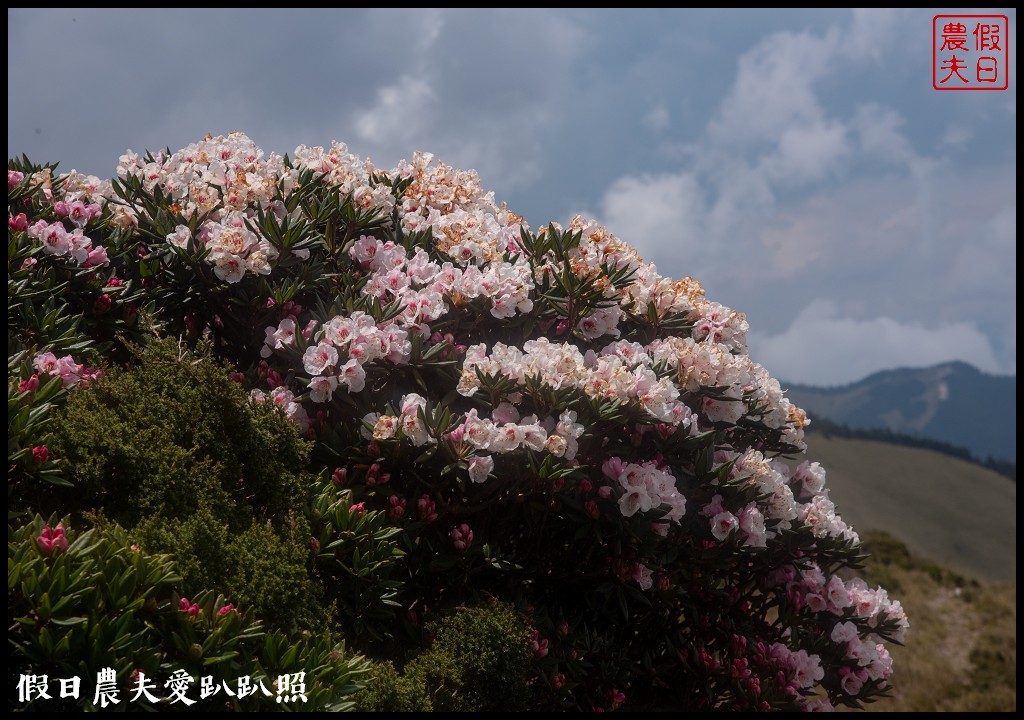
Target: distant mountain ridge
(953, 402)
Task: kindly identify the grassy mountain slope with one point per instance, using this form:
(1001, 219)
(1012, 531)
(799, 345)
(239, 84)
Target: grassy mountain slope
(949, 511)
(961, 651)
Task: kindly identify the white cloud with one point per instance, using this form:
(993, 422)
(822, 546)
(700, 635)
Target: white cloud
(879, 130)
(771, 135)
(658, 214)
(807, 153)
(387, 121)
(783, 201)
(957, 136)
(774, 88)
(477, 89)
(820, 347)
(872, 31)
(658, 119)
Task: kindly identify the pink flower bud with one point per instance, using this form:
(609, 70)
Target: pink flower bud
(97, 256)
(426, 509)
(18, 223)
(14, 179)
(539, 645)
(397, 506)
(617, 698)
(314, 544)
(52, 539)
(462, 537)
(103, 304)
(308, 330)
(226, 609)
(30, 385)
(558, 681)
(191, 609)
(357, 509)
(40, 453)
(339, 476)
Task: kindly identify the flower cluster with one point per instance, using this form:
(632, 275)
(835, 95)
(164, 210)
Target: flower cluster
(223, 180)
(70, 372)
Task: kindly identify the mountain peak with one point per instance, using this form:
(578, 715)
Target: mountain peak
(952, 402)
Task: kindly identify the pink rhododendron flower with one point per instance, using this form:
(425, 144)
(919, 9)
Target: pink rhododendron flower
(40, 453)
(480, 467)
(97, 257)
(723, 524)
(180, 237)
(319, 357)
(642, 575)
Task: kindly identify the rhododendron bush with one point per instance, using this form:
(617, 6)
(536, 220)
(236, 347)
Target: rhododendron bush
(495, 413)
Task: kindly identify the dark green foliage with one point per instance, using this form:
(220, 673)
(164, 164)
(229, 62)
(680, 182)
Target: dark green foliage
(479, 661)
(175, 451)
(389, 691)
(357, 562)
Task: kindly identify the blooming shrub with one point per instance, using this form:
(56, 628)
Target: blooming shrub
(495, 412)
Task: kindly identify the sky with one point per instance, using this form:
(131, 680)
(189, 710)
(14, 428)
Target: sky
(799, 163)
